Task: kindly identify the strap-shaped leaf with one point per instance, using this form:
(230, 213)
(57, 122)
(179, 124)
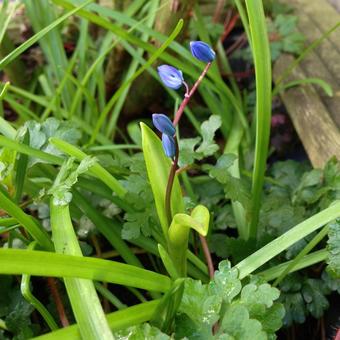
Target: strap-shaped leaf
(158, 168)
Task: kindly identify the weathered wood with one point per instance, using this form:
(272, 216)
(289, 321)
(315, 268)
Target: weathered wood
(315, 115)
(312, 121)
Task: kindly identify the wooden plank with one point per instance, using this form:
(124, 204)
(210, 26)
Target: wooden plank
(311, 118)
(315, 65)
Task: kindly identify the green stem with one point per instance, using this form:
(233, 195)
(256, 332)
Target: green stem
(170, 183)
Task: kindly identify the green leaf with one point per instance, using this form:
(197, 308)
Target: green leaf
(66, 178)
(167, 308)
(141, 332)
(208, 129)
(234, 188)
(333, 247)
(262, 61)
(158, 168)
(238, 325)
(226, 283)
(39, 263)
(51, 127)
(313, 292)
(29, 42)
(119, 320)
(189, 151)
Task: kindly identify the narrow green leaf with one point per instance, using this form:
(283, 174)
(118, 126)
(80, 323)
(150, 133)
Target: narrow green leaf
(27, 221)
(262, 62)
(117, 321)
(119, 92)
(266, 253)
(323, 84)
(158, 168)
(28, 43)
(39, 263)
(274, 272)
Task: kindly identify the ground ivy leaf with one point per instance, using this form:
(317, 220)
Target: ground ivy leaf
(208, 129)
(226, 283)
(187, 154)
(237, 324)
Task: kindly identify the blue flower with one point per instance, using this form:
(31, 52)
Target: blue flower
(171, 77)
(202, 51)
(163, 124)
(169, 145)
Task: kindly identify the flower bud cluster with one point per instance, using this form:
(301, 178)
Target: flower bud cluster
(173, 78)
(164, 125)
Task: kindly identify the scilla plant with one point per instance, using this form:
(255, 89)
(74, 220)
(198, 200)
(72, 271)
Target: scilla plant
(162, 175)
(44, 161)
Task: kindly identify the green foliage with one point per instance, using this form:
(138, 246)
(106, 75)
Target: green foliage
(14, 311)
(197, 148)
(302, 296)
(241, 312)
(40, 134)
(142, 218)
(283, 36)
(333, 247)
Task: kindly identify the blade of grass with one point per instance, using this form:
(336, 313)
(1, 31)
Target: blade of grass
(130, 72)
(27, 221)
(324, 85)
(317, 238)
(118, 320)
(29, 42)
(266, 253)
(308, 260)
(117, 94)
(262, 62)
(40, 263)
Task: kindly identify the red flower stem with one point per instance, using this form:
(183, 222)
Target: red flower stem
(187, 97)
(174, 166)
(52, 283)
(170, 183)
(207, 256)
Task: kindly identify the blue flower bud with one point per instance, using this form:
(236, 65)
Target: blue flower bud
(171, 77)
(169, 145)
(202, 51)
(163, 124)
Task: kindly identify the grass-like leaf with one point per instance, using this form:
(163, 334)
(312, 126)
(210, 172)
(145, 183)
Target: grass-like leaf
(39, 263)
